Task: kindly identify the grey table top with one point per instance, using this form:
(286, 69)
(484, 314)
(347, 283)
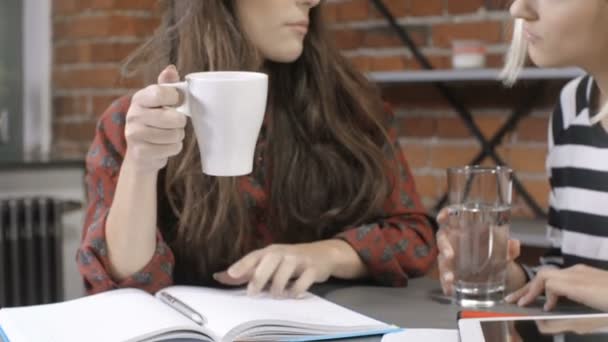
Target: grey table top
(420, 305)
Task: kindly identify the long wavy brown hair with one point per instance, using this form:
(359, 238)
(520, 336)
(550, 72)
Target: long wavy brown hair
(326, 150)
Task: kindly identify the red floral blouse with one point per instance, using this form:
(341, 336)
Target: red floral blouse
(399, 246)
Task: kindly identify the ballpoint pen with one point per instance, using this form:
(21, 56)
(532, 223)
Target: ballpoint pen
(182, 308)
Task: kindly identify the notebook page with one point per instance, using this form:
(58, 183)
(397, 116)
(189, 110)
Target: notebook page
(120, 315)
(226, 309)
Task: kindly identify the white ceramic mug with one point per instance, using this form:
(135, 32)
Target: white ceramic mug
(227, 110)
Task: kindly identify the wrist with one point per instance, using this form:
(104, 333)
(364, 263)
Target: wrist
(344, 260)
(516, 277)
(136, 167)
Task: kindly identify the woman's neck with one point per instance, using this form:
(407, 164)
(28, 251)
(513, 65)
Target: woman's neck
(602, 83)
(601, 79)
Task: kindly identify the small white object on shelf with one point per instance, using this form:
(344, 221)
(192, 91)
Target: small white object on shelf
(468, 54)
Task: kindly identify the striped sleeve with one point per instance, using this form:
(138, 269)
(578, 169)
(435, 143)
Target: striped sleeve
(577, 165)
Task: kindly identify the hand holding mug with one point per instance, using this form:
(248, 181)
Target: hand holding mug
(154, 130)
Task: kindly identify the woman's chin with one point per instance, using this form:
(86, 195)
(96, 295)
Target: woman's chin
(286, 55)
(542, 60)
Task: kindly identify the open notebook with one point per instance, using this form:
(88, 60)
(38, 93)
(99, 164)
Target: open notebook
(230, 315)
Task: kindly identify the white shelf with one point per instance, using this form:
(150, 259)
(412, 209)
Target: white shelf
(469, 75)
(530, 232)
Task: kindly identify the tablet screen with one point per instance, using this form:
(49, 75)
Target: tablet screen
(547, 330)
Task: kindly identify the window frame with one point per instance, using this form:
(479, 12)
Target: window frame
(37, 58)
(30, 117)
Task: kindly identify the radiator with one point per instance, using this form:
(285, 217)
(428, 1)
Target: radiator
(30, 251)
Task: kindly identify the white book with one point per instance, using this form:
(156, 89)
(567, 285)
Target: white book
(131, 315)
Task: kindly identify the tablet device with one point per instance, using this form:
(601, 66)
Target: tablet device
(560, 328)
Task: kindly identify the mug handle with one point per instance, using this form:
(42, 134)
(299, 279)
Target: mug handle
(182, 87)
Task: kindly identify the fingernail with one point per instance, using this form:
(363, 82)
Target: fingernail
(521, 302)
(509, 298)
(448, 276)
(546, 307)
(232, 272)
(297, 295)
(172, 66)
(216, 276)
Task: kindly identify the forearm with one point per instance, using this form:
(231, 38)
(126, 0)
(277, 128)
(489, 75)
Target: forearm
(131, 222)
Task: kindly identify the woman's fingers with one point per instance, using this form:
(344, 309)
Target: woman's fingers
(517, 295)
(444, 245)
(442, 217)
(263, 272)
(226, 279)
(156, 96)
(304, 282)
(552, 299)
(445, 262)
(514, 249)
(169, 75)
(281, 278)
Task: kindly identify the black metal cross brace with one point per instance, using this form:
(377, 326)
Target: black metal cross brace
(488, 148)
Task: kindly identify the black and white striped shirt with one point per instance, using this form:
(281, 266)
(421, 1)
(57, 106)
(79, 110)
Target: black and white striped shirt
(577, 164)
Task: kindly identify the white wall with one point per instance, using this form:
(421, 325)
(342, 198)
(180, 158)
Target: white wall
(37, 36)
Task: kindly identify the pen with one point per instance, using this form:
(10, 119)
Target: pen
(182, 308)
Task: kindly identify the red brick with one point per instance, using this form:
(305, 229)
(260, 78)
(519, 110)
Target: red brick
(389, 63)
(417, 155)
(96, 78)
(490, 124)
(452, 128)
(398, 8)
(87, 52)
(486, 31)
(427, 186)
(101, 103)
(70, 106)
(363, 63)
(353, 10)
(528, 159)
(330, 12)
(464, 6)
(497, 4)
(388, 38)
(347, 39)
(104, 26)
(412, 8)
(533, 129)
(69, 7)
(445, 155)
(495, 60)
(539, 190)
(76, 132)
(418, 127)
(426, 7)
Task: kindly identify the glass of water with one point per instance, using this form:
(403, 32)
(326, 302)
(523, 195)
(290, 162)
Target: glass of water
(479, 214)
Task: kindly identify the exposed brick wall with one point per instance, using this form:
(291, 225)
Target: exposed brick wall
(92, 37)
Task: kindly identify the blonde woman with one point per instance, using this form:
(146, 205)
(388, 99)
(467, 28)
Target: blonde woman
(560, 33)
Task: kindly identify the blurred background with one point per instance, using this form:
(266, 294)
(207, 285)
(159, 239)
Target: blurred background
(59, 70)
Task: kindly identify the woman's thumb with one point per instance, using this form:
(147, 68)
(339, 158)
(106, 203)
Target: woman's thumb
(169, 75)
